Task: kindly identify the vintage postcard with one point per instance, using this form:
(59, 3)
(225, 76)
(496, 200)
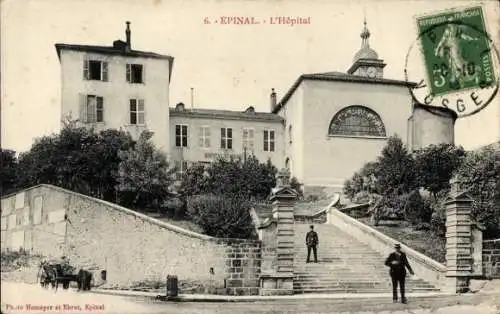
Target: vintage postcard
(250, 156)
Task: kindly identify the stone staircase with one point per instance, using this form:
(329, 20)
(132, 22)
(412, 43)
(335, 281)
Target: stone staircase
(344, 265)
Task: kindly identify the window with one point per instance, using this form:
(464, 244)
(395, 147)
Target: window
(135, 73)
(137, 111)
(269, 141)
(181, 135)
(92, 109)
(357, 121)
(95, 70)
(181, 167)
(226, 138)
(248, 142)
(205, 136)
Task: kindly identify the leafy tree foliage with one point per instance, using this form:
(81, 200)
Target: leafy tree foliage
(9, 171)
(194, 180)
(435, 165)
(145, 174)
(222, 216)
(364, 181)
(247, 178)
(396, 166)
(479, 174)
(77, 158)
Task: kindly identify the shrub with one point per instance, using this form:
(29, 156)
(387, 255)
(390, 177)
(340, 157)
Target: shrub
(222, 217)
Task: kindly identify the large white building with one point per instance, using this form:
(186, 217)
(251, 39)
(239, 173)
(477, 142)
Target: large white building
(117, 87)
(325, 127)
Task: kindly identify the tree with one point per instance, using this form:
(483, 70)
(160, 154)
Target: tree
(145, 173)
(365, 180)
(77, 159)
(435, 165)
(9, 171)
(479, 175)
(396, 172)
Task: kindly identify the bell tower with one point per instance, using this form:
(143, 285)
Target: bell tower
(366, 62)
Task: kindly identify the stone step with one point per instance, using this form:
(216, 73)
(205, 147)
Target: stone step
(345, 265)
(350, 290)
(327, 284)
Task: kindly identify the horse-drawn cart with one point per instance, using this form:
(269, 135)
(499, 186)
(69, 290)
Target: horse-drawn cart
(55, 273)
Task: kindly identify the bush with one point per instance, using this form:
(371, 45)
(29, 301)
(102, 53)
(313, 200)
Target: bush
(222, 217)
(247, 178)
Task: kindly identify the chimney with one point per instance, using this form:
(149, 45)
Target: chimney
(273, 100)
(127, 33)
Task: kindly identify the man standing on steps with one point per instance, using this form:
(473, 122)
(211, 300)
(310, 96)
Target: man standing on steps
(311, 242)
(398, 263)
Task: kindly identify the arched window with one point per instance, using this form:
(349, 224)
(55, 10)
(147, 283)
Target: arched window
(290, 133)
(357, 121)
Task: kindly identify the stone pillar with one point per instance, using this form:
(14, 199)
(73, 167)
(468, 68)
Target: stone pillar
(458, 241)
(283, 198)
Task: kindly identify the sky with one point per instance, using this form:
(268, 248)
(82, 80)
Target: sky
(229, 66)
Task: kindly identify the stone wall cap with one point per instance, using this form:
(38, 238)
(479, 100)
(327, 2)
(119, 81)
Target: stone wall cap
(459, 197)
(283, 192)
(143, 217)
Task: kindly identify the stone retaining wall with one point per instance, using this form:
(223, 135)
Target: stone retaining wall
(130, 246)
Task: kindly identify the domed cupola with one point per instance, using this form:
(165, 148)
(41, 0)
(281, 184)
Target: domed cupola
(366, 61)
(365, 52)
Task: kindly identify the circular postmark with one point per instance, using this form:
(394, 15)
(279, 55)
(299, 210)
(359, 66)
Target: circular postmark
(455, 65)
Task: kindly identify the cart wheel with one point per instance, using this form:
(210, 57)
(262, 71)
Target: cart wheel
(65, 285)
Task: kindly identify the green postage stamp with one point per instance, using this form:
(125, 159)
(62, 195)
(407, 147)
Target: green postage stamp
(456, 51)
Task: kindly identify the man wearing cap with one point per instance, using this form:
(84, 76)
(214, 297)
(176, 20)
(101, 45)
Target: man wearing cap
(398, 263)
(312, 242)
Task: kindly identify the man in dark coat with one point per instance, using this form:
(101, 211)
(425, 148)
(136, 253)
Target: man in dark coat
(398, 263)
(312, 242)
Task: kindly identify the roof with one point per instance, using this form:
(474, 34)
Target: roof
(225, 114)
(437, 110)
(110, 50)
(338, 77)
(366, 53)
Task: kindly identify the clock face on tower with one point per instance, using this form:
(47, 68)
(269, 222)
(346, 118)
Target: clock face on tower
(371, 72)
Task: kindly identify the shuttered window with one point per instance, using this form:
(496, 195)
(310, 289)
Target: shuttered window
(135, 73)
(95, 70)
(137, 111)
(269, 141)
(91, 109)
